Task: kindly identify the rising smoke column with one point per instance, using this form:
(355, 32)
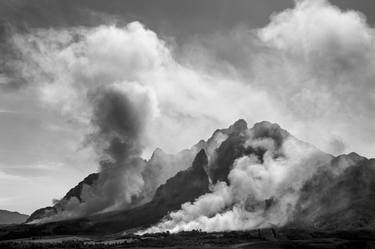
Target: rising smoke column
(121, 113)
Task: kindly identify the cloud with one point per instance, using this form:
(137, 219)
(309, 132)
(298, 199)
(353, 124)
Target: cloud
(314, 60)
(329, 46)
(65, 66)
(309, 69)
(328, 55)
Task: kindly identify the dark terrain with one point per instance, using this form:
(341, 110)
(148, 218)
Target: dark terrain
(257, 239)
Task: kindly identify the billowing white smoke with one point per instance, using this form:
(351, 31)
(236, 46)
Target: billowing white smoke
(260, 193)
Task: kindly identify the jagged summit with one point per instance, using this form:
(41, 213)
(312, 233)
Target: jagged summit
(238, 126)
(157, 152)
(356, 156)
(271, 130)
(200, 160)
(344, 161)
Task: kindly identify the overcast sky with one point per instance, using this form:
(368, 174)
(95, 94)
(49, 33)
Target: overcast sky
(198, 66)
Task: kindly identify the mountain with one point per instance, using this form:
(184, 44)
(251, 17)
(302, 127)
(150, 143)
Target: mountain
(185, 186)
(158, 170)
(318, 190)
(339, 198)
(8, 217)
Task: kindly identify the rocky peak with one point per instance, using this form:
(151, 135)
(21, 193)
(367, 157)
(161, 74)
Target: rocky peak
(200, 160)
(267, 129)
(238, 126)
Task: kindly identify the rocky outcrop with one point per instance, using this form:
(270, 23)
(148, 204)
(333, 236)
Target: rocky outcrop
(339, 201)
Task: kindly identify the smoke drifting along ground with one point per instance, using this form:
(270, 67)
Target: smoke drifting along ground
(132, 92)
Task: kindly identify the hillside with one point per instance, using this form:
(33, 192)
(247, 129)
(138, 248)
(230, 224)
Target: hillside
(8, 217)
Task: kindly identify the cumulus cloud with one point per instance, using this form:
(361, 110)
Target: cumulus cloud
(69, 64)
(326, 56)
(314, 60)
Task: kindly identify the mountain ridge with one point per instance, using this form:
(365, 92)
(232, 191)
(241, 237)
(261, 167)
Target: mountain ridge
(213, 162)
(11, 217)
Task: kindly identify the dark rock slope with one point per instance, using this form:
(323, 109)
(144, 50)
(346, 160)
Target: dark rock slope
(340, 196)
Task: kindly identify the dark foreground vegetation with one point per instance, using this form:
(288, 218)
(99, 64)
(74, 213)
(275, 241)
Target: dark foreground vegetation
(257, 239)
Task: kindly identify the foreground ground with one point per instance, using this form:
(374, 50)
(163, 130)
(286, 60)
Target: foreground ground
(257, 239)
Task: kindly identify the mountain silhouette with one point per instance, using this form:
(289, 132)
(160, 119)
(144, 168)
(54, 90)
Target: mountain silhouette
(338, 193)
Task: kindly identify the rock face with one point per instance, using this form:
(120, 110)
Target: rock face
(163, 166)
(8, 217)
(339, 200)
(186, 185)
